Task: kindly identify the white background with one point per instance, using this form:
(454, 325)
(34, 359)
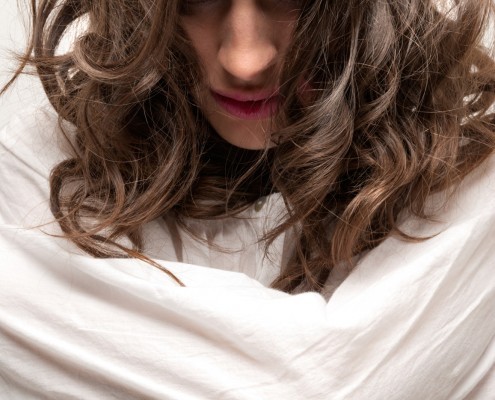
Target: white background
(13, 38)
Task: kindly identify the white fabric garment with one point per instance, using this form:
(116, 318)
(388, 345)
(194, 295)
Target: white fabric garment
(411, 321)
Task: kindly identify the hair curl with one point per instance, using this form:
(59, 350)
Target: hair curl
(400, 109)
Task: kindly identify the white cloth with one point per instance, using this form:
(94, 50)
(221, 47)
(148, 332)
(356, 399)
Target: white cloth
(411, 321)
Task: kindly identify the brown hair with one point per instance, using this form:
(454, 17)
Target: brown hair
(399, 109)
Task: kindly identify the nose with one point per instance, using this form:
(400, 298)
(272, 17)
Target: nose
(248, 52)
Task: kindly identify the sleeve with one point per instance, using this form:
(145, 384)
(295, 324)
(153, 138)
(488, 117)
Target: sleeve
(412, 321)
(30, 146)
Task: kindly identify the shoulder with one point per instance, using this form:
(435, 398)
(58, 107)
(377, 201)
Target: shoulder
(30, 146)
(474, 197)
(454, 247)
(432, 300)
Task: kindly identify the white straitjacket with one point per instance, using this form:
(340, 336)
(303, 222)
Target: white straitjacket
(411, 321)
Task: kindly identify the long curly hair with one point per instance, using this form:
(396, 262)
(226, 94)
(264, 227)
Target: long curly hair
(400, 108)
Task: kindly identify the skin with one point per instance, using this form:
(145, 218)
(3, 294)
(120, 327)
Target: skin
(241, 45)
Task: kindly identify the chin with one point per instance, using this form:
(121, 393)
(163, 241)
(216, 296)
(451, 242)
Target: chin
(249, 135)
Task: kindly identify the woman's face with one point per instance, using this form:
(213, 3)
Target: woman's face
(241, 45)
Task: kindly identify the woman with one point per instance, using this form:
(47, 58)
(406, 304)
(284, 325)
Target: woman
(339, 151)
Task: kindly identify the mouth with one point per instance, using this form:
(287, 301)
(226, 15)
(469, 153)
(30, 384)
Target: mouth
(248, 107)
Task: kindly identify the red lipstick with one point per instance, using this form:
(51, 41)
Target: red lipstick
(248, 106)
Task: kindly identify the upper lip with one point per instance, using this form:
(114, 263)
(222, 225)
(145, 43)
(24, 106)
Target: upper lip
(247, 96)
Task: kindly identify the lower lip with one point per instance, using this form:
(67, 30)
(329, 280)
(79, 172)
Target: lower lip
(250, 110)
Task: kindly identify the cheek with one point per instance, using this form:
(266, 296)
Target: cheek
(205, 51)
(202, 34)
(198, 41)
